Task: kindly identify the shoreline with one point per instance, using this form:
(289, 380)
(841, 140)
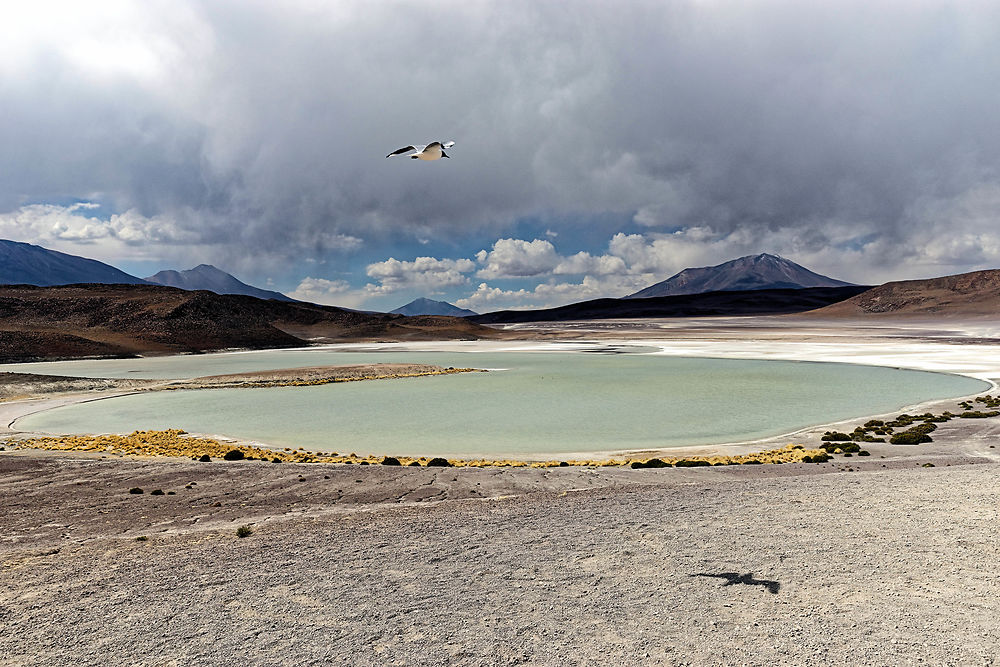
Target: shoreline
(872, 560)
(12, 411)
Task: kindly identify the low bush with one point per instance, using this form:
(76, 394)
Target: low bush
(244, 531)
(234, 455)
(691, 463)
(135, 489)
(651, 463)
(864, 452)
(205, 458)
(438, 462)
(156, 492)
(977, 414)
(390, 461)
(835, 436)
(909, 438)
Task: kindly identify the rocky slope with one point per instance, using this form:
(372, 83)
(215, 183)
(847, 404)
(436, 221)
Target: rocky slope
(115, 320)
(974, 294)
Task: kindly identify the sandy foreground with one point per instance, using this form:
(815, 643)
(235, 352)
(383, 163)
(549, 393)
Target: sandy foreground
(875, 560)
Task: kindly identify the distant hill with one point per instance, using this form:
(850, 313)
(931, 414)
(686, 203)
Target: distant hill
(975, 295)
(27, 264)
(753, 272)
(207, 277)
(121, 320)
(743, 302)
(430, 307)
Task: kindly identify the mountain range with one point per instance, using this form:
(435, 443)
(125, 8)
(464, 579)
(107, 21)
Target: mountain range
(424, 306)
(708, 304)
(207, 277)
(753, 272)
(92, 320)
(27, 264)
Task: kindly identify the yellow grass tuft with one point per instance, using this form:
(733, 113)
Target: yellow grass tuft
(177, 443)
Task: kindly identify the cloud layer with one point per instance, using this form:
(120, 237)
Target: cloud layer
(595, 147)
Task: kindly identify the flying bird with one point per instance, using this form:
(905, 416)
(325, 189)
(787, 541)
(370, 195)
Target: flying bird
(431, 151)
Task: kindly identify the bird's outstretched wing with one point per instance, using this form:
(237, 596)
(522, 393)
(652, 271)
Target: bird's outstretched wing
(406, 149)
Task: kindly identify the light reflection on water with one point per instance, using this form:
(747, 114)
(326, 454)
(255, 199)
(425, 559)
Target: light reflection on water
(543, 402)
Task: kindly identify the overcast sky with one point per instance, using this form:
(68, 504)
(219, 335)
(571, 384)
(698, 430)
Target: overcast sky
(600, 146)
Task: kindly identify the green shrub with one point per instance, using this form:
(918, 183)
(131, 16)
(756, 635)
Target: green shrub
(156, 492)
(864, 452)
(275, 460)
(205, 458)
(909, 438)
(976, 414)
(691, 463)
(135, 489)
(234, 455)
(142, 538)
(849, 447)
(926, 427)
(835, 436)
(244, 531)
(390, 461)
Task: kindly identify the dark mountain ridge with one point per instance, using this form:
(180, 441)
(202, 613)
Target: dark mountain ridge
(739, 302)
(123, 320)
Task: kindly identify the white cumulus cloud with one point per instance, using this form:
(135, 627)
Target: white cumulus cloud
(423, 272)
(515, 258)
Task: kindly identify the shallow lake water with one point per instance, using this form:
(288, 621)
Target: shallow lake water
(530, 403)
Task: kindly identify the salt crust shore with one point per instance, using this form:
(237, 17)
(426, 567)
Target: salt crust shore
(878, 560)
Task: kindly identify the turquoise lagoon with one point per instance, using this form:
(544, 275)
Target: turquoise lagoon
(531, 403)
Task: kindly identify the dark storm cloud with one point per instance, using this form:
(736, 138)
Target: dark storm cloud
(262, 126)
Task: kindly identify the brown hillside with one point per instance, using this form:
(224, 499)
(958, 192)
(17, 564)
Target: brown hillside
(114, 320)
(974, 294)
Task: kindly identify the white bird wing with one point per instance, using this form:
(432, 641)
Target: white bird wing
(406, 149)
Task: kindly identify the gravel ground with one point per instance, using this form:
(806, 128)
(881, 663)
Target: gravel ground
(372, 566)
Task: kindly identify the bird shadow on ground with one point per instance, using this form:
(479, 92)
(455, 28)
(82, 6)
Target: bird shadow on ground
(737, 578)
